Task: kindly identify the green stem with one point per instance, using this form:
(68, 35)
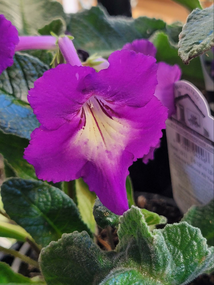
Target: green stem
(24, 258)
(34, 245)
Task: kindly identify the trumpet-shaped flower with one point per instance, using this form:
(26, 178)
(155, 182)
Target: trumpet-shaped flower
(8, 41)
(94, 125)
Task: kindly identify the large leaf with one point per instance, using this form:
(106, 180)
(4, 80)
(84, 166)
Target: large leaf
(111, 33)
(19, 78)
(8, 276)
(168, 53)
(175, 255)
(127, 277)
(202, 217)
(189, 4)
(12, 148)
(197, 35)
(46, 212)
(30, 15)
(74, 259)
(16, 117)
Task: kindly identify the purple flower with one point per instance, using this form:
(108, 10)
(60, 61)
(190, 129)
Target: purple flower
(94, 125)
(167, 75)
(8, 41)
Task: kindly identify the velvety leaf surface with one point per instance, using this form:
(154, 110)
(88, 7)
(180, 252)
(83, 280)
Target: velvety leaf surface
(30, 15)
(111, 33)
(127, 277)
(152, 218)
(169, 54)
(189, 4)
(16, 117)
(197, 34)
(202, 217)
(12, 148)
(8, 276)
(46, 213)
(19, 78)
(85, 202)
(175, 255)
(75, 260)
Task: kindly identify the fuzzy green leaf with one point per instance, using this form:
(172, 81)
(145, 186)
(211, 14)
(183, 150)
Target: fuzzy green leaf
(202, 217)
(16, 117)
(75, 260)
(175, 255)
(30, 15)
(111, 33)
(168, 53)
(46, 212)
(12, 148)
(197, 35)
(19, 78)
(125, 276)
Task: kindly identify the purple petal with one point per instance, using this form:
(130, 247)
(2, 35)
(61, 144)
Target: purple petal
(142, 46)
(151, 154)
(52, 154)
(8, 40)
(130, 79)
(167, 76)
(59, 94)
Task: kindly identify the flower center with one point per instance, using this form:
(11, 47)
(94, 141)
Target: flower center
(102, 130)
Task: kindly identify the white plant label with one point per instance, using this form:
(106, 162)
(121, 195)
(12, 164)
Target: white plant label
(190, 138)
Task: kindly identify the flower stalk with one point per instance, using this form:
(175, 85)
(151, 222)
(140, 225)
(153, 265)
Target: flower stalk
(68, 50)
(36, 42)
(24, 258)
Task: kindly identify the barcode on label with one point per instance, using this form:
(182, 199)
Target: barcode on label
(191, 146)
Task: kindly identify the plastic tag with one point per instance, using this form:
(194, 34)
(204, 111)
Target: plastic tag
(190, 138)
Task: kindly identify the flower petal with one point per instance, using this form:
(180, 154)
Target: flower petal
(52, 154)
(167, 76)
(59, 94)
(8, 40)
(130, 79)
(151, 154)
(142, 46)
